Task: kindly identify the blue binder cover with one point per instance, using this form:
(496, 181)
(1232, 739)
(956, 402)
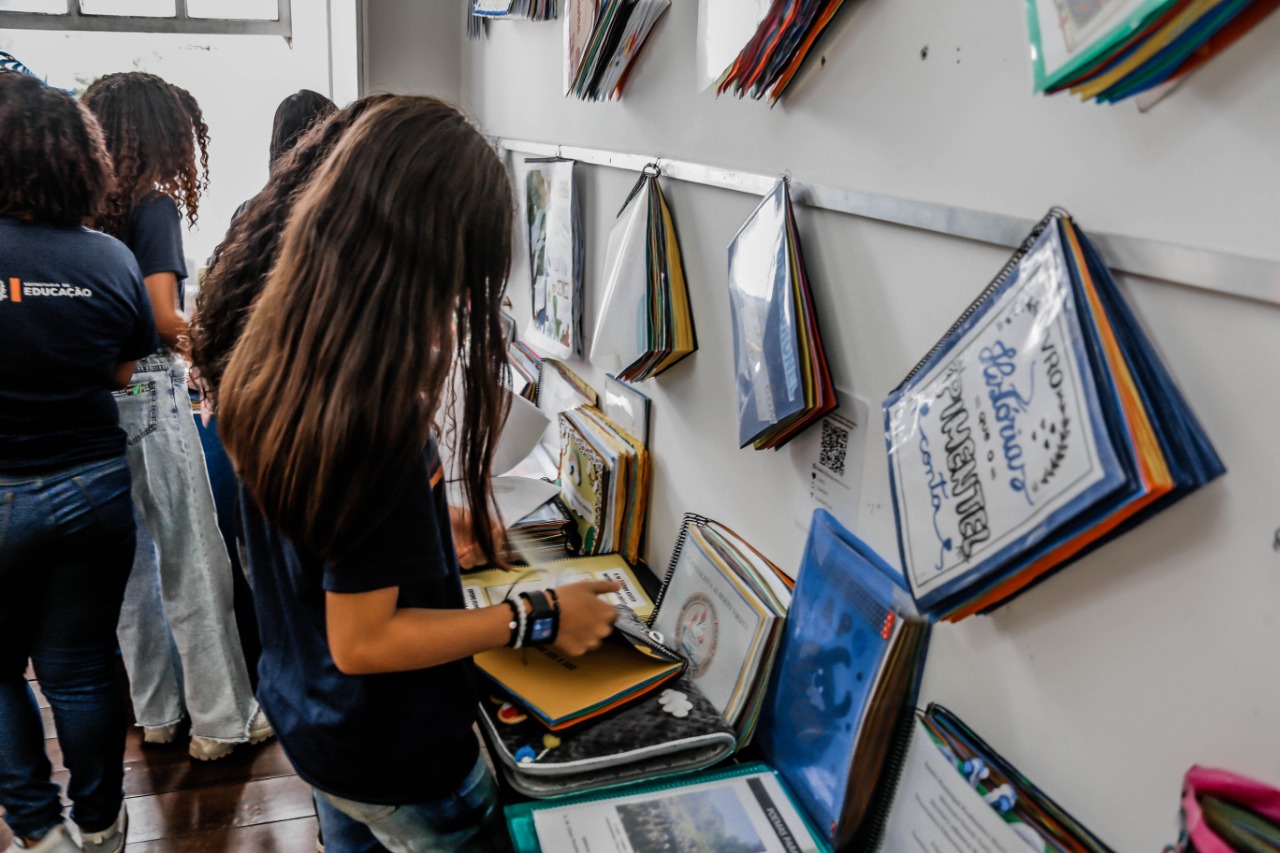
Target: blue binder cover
(834, 651)
(765, 340)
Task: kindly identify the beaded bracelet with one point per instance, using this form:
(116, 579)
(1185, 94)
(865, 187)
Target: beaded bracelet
(517, 623)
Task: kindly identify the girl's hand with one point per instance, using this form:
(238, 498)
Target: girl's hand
(585, 619)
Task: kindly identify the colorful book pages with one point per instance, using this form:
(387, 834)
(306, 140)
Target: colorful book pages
(780, 46)
(645, 324)
(1043, 424)
(547, 534)
(526, 370)
(848, 670)
(602, 41)
(1242, 829)
(784, 383)
(554, 224)
(1036, 819)
(561, 693)
(722, 605)
(531, 10)
(604, 481)
(1111, 50)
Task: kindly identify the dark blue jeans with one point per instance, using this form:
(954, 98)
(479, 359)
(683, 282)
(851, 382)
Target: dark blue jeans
(66, 548)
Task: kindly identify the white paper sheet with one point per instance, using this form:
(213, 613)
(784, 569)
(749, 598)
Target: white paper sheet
(745, 813)
(828, 460)
(936, 809)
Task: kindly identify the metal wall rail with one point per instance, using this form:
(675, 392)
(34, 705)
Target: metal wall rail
(1221, 272)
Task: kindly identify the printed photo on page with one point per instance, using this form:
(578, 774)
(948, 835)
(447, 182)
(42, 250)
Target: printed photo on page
(749, 813)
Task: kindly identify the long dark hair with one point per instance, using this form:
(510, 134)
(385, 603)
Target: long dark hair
(54, 166)
(391, 272)
(153, 129)
(238, 270)
(295, 114)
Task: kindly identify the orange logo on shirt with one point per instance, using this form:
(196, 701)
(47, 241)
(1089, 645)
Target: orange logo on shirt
(15, 289)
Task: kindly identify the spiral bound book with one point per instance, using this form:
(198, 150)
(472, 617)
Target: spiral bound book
(956, 793)
(722, 605)
(848, 670)
(1043, 424)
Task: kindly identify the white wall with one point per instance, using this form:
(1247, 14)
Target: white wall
(411, 46)
(1104, 684)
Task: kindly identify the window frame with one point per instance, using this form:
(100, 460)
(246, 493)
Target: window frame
(74, 19)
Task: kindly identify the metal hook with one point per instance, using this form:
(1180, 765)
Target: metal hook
(656, 170)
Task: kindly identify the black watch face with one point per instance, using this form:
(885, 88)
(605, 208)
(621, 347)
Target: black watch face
(540, 631)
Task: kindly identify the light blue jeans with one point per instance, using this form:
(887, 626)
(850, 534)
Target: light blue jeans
(468, 821)
(177, 628)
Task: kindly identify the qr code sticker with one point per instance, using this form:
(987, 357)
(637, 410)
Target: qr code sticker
(835, 445)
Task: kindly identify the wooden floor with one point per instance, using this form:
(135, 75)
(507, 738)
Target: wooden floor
(249, 801)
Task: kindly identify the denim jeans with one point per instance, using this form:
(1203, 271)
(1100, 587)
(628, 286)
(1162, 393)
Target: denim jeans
(177, 629)
(66, 546)
(469, 821)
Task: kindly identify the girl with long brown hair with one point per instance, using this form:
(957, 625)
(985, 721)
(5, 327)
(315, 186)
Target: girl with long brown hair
(74, 316)
(177, 629)
(390, 275)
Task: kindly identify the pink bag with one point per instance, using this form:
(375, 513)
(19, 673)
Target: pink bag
(1261, 799)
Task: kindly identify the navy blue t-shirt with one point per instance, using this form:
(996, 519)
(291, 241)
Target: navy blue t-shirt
(390, 738)
(72, 307)
(154, 235)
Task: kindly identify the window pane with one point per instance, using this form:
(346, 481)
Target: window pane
(234, 10)
(47, 7)
(138, 8)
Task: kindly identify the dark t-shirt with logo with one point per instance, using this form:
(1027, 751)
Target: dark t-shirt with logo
(72, 307)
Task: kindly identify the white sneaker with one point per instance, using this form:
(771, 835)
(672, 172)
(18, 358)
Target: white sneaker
(159, 734)
(58, 840)
(109, 840)
(259, 728)
(203, 749)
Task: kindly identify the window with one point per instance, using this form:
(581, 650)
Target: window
(231, 17)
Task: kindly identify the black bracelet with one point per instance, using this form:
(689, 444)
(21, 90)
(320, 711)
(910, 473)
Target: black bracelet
(543, 621)
(516, 623)
(555, 599)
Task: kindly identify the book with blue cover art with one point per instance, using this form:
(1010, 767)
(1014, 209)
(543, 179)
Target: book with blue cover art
(1039, 427)
(846, 677)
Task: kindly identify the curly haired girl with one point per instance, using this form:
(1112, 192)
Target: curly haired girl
(183, 600)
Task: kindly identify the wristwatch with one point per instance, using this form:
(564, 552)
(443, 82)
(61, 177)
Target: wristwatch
(543, 619)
